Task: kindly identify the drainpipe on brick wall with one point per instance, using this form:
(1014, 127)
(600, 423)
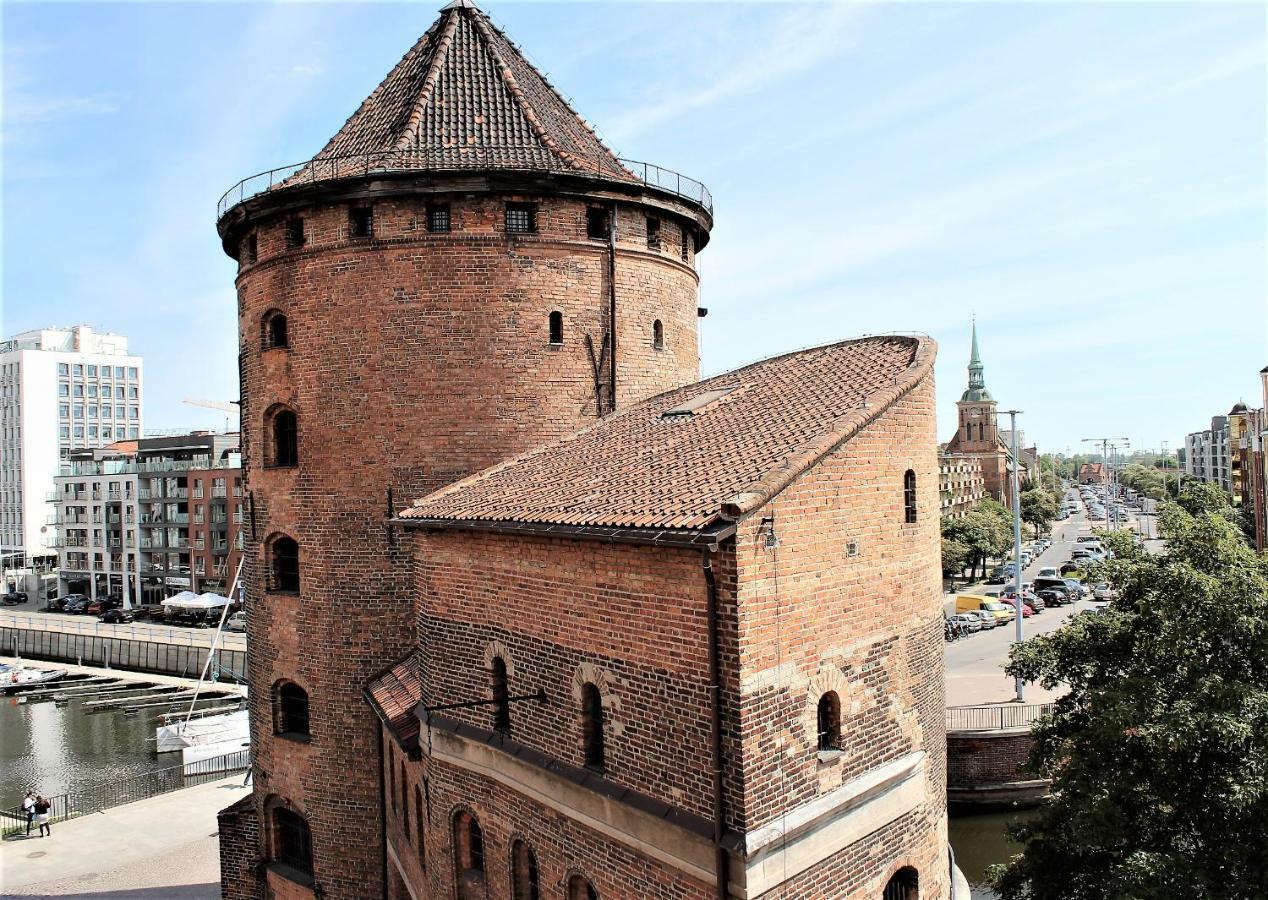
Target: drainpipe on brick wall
(612, 304)
(721, 867)
(378, 730)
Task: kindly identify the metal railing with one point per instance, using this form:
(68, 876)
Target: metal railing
(532, 159)
(139, 631)
(106, 795)
(996, 717)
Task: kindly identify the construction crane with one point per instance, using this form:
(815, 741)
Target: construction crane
(231, 408)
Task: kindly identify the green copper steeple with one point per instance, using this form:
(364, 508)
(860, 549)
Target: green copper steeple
(977, 392)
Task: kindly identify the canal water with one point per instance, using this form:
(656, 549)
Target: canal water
(980, 842)
(52, 749)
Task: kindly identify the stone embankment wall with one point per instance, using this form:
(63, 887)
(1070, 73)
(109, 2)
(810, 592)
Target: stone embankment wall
(119, 653)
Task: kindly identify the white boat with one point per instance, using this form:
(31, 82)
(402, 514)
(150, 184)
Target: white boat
(17, 677)
(199, 739)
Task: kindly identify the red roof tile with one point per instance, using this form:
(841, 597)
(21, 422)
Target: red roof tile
(464, 97)
(644, 468)
(394, 695)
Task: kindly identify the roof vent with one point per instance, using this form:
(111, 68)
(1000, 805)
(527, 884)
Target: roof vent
(698, 403)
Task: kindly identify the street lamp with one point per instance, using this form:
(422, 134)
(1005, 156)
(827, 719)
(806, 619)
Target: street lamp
(1105, 447)
(1017, 604)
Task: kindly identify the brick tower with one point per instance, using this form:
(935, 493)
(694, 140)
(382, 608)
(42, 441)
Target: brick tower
(463, 272)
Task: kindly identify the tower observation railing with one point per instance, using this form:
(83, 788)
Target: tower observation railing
(530, 160)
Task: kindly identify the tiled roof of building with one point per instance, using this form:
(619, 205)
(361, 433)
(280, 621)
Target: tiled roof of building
(394, 694)
(465, 97)
(697, 457)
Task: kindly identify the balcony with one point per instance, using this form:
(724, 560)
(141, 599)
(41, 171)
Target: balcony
(180, 493)
(199, 544)
(178, 518)
(219, 492)
(145, 493)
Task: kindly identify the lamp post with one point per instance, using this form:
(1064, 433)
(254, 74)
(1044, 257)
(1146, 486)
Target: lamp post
(1017, 604)
(1105, 448)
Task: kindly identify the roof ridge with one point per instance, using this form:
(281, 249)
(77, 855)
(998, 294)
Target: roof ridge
(443, 41)
(375, 94)
(513, 87)
(760, 492)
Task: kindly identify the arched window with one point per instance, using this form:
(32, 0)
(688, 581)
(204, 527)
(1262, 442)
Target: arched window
(524, 878)
(905, 885)
(829, 721)
(556, 327)
(580, 888)
(418, 823)
(282, 428)
(274, 330)
(658, 335)
(909, 496)
(468, 842)
(501, 694)
(592, 726)
(284, 565)
(292, 841)
(290, 710)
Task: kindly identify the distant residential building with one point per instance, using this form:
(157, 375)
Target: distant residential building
(960, 483)
(1093, 473)
(61, 389)
(1207, 456)
(1254, 461)
(141, 520)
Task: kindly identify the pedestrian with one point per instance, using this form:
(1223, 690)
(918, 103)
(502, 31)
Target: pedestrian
(42, 807)
(28, 807)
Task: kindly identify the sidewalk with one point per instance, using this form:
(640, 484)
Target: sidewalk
(163, 848)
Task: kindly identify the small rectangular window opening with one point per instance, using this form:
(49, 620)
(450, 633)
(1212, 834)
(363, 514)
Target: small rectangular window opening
(653, 234)
(362, 222)
(295, 233)
(521, 218)
(686, 243)
(597, 223)
(438, 218)
(253, 247)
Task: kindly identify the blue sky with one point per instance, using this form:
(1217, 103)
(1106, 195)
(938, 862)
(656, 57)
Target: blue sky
(1088, 179)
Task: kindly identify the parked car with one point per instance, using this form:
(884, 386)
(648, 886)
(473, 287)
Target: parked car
(238, 622)
(13, 598)
(987, 619)
(151, 611)
(77, 606)
(1053, 597)
(997, 577)
(1103, 592)
(1002, 611)
(59, 604)
(102, 604)
(117, 616)
(1026, 610)
(968, 622)
(1078, 588)
(1048, 572)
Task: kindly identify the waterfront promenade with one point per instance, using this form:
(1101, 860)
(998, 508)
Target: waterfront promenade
(163, 848)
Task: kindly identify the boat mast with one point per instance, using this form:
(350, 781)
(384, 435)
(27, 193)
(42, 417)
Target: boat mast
(215, 641)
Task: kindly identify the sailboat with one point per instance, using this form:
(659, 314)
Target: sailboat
(210, 736)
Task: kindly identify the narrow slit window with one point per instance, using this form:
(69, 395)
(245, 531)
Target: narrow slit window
(653, 234)
(285, 565)
(556, 327)
(253, 247)
(909, 497)
(658, 335)
(829, 719)
(593, 749)
(684, 248)
(501, 697)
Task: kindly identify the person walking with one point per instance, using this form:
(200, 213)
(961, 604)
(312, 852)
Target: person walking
(42, 807)
(28, 807)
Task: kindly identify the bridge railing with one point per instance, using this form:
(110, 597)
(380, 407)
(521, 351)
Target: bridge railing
(995, 717)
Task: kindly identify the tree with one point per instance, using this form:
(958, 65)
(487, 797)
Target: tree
(983, 531)
(1038, 508)
(1159, 752)
(955, 556)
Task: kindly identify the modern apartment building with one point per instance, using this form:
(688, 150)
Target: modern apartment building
(61, 390)
(1207, 454)
(141, 520)
(961, 485)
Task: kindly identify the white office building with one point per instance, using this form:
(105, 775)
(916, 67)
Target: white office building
(60, 389)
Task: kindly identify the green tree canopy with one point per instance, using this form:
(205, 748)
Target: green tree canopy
(1159, 752)
(1038, 508)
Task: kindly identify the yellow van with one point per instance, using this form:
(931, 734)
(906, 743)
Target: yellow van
(1002, 611)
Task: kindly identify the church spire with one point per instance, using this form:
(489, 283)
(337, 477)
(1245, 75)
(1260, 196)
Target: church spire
(977, 391)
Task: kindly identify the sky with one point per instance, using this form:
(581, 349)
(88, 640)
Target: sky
(1088, 180)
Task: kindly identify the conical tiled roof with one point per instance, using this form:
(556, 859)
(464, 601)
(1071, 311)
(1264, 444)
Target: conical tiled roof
(465, 97)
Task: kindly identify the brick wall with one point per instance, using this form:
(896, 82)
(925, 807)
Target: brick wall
(849, 600)
(239, 828)
(975, 760)
(414, 359)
